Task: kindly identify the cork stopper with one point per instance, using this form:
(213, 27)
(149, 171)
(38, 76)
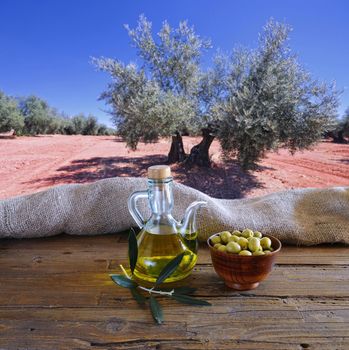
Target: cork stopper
(158, 172)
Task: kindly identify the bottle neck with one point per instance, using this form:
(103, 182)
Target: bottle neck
(161, 204)
(160, 196)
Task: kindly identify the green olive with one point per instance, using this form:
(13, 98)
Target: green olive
(233, 247)
(233, 238)
(236, 233)
(265, 243)
(225, 236)
(254, 244)
(257, 234)
(243, 242)
(245, 252)
(215, 239)
(267, 251)
(271, 249)
(222, 248)
(247, 233)
(217, 245)
(258, 252)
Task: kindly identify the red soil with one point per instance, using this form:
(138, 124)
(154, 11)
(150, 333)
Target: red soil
(29, 164)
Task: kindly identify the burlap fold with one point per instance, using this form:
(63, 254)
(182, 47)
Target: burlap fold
(303, 216)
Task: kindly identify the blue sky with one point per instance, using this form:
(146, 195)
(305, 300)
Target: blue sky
(46, 45)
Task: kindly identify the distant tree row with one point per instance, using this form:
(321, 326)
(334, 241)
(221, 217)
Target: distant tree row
(33, 116)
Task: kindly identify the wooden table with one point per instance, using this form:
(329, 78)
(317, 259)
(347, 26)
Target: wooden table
(56, 294)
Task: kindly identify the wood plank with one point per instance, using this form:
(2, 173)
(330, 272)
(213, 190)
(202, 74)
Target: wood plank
(99, 259)
(106, 248)
(271, 322)
(87, 289)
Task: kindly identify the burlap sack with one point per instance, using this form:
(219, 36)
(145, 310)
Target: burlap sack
(304, 216)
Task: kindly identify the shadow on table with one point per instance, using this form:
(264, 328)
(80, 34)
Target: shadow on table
(221, 181)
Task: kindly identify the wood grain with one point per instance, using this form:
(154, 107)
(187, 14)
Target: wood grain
(55, 293)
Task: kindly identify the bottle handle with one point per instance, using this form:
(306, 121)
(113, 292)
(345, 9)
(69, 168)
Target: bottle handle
(132, 206)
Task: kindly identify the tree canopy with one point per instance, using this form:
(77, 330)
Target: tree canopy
(272, 101)
(38, 116)
(252, 100)
(163, 95)
(10, 116)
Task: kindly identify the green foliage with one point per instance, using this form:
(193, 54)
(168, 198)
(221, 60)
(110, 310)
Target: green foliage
(82, 125)
(68, 128)
(339, 131)
(10, 116)
(103, 130)
(156, 310)
(37, 114)
(345, 123)
(163, 95)
(272, 102)
(123, 281)
(169, 269)
(173, 60)
(253, 100)
(140, 298)
(78, 122)
(33, 116)
(90, 126)
(40, 118)
(342, 125)
(132, 249)
(134, 99)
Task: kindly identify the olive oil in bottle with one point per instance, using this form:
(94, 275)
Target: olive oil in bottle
(157, 250)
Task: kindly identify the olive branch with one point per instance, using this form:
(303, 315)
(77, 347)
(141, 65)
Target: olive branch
(179, 293)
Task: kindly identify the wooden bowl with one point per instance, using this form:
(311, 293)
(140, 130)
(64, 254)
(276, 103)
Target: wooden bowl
(243, 272)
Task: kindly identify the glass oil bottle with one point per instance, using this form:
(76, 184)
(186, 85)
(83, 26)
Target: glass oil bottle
(162, 238)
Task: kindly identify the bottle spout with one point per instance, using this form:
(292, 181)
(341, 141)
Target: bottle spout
(188, 224)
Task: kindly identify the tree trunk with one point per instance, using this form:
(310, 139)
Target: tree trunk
(339, 138)
(177, 153)
(199, 154)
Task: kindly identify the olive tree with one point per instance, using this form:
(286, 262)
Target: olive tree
(78, 123)
(91, 126)
(10, 116)
(272, 101)
(37, 114)
(252, 101)
(162, 97)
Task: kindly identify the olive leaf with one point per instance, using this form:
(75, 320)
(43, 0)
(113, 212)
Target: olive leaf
(132, 249)
(156, 310)
(185, 299)
(138, 296)
(169, 269)
(123, 281)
